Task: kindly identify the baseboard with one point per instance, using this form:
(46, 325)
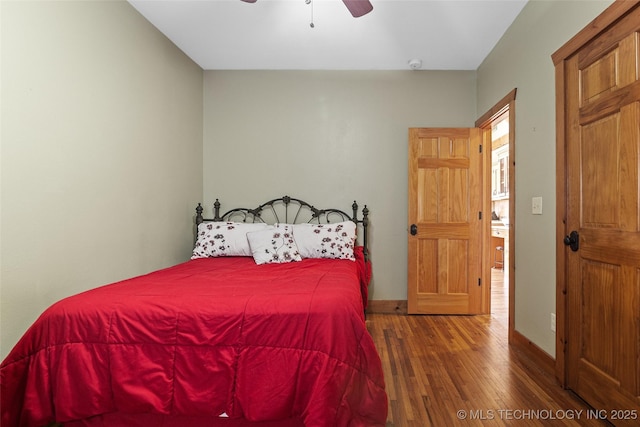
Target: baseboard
(387, 307)
(533, 352)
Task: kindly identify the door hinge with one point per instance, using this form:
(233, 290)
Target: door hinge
(480, 215)
(480, 148)
(479, 281)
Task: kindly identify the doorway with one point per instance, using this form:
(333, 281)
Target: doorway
(500, 195)
(450, 206)
(498, 125)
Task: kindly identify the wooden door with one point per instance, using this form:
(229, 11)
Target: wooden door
(445, 234)
(601, 273)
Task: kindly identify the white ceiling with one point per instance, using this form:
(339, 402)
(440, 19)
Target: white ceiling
(277, 35)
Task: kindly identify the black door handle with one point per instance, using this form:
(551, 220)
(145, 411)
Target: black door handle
(573, 240)
(413, 229)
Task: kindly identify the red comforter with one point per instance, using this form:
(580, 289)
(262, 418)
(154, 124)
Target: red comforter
(209, 337)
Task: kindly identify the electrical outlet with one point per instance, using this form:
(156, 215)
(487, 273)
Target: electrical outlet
(553, 322)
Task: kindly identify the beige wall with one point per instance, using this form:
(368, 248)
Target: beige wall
(101, 152)
(522, 60)
(329, 137)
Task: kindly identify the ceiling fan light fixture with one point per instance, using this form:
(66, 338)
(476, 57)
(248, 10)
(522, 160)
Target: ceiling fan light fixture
(415, 64)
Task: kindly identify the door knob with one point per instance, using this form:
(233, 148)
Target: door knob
(413, 229)
(573, 240)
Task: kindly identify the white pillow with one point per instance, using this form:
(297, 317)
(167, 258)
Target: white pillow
(224, 239)
(274, 245)
(335, 240)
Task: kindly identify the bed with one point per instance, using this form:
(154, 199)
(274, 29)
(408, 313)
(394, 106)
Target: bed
(264, 325)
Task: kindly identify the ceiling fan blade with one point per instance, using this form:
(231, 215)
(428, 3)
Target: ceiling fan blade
(357, 7)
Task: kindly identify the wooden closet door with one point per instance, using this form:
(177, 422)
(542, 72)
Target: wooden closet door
(602, 274)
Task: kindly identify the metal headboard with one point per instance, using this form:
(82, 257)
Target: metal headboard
(289, 210)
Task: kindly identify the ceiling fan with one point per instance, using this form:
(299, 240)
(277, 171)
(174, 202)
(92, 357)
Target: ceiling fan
(356, 7)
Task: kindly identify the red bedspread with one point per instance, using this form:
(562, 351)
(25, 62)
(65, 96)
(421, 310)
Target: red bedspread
(204, 338)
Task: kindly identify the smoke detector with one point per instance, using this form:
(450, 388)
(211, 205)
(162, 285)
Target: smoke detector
(415, 64)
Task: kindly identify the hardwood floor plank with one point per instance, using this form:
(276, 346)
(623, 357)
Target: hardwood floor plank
(461, 371)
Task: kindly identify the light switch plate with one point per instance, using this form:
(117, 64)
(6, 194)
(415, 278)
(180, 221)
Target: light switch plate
(536, 205)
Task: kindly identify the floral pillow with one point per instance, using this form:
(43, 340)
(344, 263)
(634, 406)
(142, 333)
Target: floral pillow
(335, 240)
(224, 239)
(274, 245)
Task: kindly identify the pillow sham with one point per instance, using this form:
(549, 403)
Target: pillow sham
(333, 240)
(274, 245)
(217, 239)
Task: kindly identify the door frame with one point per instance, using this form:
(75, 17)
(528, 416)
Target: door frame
(484, 122)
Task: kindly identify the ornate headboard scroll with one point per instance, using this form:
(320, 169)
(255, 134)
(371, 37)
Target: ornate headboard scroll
(289, 210)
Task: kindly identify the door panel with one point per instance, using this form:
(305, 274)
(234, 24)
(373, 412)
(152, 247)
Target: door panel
(445, 199)
(604, 344)
(602, 277)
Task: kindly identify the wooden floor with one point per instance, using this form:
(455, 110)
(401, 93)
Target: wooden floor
(460, 371)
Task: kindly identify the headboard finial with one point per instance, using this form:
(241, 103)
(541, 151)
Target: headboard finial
(199, 217)
(216, 210)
